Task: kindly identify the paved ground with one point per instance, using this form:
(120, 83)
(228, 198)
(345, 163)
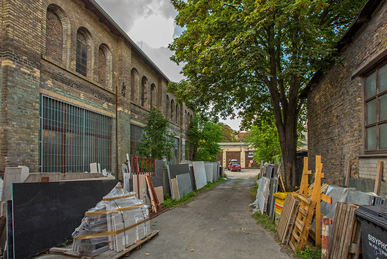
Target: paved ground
(218, 224)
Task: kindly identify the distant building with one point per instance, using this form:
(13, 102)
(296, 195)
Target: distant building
(239, 151)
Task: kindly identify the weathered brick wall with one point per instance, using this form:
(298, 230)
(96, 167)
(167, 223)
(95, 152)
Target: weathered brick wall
(35, 61)
(19, 51)
(335, 105)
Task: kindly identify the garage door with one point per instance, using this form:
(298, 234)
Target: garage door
(233, 155)
(250, 163)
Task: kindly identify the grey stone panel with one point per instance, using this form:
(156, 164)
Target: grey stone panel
(209, 171)
(184, 184)
(200, 174)
(215, 168)
(182, 169)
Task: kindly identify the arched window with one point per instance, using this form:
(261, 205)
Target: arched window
(134, 86)
(101, 67)
(82, 53)
(123, 90)
(185, 120)
(167, 108)
(104, 76)
(173, 110)
(177, 114)
(54, 36)
(143, 92)
(153, 96)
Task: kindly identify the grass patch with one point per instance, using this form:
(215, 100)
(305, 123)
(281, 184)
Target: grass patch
(309, 253)
(225, 175)
(265, 221)
(254, 190)
(170, 203)
(237, 182)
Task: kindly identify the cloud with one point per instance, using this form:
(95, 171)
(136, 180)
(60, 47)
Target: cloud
(160, 56)
(127, 12)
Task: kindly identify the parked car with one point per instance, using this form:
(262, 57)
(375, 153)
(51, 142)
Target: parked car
(234, 166)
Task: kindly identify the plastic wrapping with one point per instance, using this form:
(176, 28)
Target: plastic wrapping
(263, 193)
(116, 222)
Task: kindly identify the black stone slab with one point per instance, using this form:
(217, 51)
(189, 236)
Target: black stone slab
(176, 169)
(45, 214)
(9, 231)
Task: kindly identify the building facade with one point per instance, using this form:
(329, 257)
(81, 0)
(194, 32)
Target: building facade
(75, 89)
(347, 107)
(239, 151)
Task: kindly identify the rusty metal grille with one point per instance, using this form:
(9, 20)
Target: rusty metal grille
(72, 137)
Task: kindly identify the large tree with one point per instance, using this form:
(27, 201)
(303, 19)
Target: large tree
(256, 56)
(204, 136)
(157, 142)
(229, 135)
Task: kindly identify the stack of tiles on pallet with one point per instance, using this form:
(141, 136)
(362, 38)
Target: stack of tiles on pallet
(116, 222)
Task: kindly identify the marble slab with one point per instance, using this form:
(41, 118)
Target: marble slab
(215, 168)
(200, 174)
(178, 169)
(184, 184)
(175, 190)
(209, 171)
(160, 194)
(13, 175)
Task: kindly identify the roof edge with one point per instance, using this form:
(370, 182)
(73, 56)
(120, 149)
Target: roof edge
(363, 17)
(122, 33)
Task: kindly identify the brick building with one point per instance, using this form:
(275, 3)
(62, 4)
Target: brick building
(75, 89)
(347, 107)
(239, 151)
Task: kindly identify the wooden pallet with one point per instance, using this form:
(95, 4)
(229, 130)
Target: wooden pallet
(344, 240)
(303, 222)
(108, 254)
(287, 219)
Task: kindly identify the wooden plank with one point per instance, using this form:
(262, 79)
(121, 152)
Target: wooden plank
(299, 225)
(378, 179)
(300, 197)
(339, 229)
(303, 212)
(293, 219)
(348, 235)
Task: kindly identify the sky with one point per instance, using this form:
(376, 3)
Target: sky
(150, 24)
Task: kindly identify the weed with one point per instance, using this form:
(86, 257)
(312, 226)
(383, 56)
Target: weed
(265, 221)
(309, 253)
(237, 182)
(225, 175)
(65, 242)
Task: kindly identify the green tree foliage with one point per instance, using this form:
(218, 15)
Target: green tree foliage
(264, 139)
(205, 135)
(228, 133)
(256, 56)
(157, 142)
